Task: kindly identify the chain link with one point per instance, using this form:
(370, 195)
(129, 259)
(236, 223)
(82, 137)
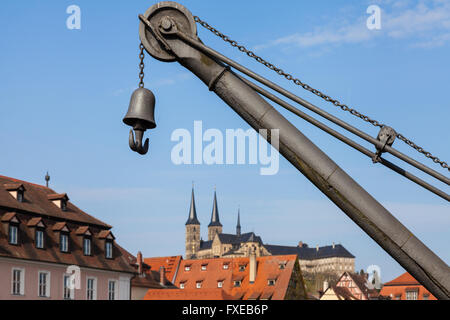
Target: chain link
(141, 66)
(316, 92)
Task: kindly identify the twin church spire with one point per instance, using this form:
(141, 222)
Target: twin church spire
(214, 225)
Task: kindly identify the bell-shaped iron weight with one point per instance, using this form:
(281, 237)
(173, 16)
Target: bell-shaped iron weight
(140, 117)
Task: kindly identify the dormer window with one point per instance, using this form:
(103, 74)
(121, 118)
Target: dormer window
(204, 267)
(198, 284)
(87, 246)
(220, 284)
(13, 231)
(64, 231)
(108, 237)
(39, 236)
(182, 284)
(64, 242)
(225, 266)
(16, 190)
(13, 227)
(108, 249)
(187, 267)
(59, 199)
(237, 283)
(271, 282)
(242, 267)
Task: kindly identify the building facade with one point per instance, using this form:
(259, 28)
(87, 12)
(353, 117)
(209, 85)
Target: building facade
(50, 249)
(333, 259)
(405, 287)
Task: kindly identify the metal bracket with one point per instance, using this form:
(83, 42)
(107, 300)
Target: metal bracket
(386, 136)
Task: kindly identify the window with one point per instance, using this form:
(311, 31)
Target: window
(198, 284)
(204, 267)
(225, 266)
(63, 205)
(20, 195)
(282, 266)
(44, 284)
(411, 295)
(271, 282)
(12, 233)
(67, 292)
(182, 285)
(17, 286)
(87, 246)
(242, 268)
(112, 290)
(39, 238)
(108, 249)
(64, 242)
(91, 290)
(187, 268)
(219, 284)
(237, 283)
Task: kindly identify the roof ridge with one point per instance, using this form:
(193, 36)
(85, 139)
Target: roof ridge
(27, 182)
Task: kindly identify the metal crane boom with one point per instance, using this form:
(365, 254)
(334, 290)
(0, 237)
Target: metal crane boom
(162, 29)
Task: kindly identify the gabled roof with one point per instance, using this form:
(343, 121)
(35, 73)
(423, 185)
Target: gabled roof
(229, 238)
(205, 244)
(404, 280)
(34, 222)
(170, 264)
(307, 253)
(36, 201)
(10, 216)
(267, 268)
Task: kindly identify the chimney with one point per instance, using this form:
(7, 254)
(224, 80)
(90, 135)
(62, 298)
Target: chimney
(325, 286)
(333, 245)
(252, 271)
(162, 276)
(317, 248)
(139, 262)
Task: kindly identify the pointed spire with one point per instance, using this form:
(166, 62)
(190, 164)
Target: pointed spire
(238, 226)
(47, 179)
(192, 219)
(215, 213)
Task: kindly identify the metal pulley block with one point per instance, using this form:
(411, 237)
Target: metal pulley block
(386, 136)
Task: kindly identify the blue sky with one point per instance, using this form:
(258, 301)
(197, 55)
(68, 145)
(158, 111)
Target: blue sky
(63, 94)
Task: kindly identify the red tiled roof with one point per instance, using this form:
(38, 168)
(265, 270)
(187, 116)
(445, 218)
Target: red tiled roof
(404, 279)
(33, 222)
(399, 286)
(170, 265)
(36, 202)
(13, 186)
(187, 294)
(8, 216)
(59, 226)
(267, 268)
(57, 196)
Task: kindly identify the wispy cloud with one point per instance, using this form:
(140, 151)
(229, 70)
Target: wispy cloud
(158, 82)
(423, 24)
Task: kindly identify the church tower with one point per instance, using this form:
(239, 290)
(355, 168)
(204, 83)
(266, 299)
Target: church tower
(192, 231)
(214, 226)
(238, 226)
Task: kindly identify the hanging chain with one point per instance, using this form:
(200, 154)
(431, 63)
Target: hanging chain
(141, 66)
(318, 93)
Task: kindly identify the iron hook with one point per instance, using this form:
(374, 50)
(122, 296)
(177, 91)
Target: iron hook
(137, 145)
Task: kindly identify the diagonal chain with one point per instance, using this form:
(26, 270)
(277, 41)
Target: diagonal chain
(316, 92)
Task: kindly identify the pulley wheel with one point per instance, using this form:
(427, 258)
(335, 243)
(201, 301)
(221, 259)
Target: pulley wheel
(184, 21)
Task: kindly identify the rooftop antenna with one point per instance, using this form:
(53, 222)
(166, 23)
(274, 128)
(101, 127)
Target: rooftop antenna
(47, 179)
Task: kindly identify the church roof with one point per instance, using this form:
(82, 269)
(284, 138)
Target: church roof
(205, 244)
(235, 239)
(192, 219)
(215, 221)
(307, 253)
